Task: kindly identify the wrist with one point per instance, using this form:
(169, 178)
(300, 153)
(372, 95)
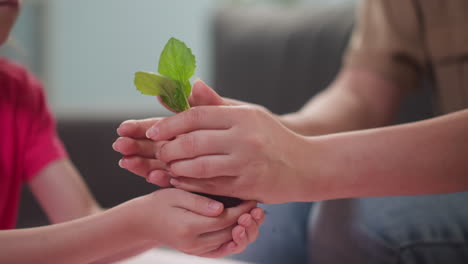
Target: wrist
(133, 221)
(291, 121)
(315, 167)
(305, 125)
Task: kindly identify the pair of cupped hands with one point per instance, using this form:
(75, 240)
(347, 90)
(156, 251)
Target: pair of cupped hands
(219, 146)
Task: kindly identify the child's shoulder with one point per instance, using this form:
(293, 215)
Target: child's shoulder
(15, 78)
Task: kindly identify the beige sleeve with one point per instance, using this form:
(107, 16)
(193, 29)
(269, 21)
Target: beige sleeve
(388, 40)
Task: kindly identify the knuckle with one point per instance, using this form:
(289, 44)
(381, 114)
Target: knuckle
(185, 233)
(189, 144)
(125, 145)
(194, 116)
(133, 146)
(162, 152)
(254, 141)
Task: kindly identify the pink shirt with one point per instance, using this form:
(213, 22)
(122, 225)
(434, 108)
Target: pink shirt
(28, 140)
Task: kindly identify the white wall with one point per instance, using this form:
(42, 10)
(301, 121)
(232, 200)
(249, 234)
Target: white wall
(94, 47)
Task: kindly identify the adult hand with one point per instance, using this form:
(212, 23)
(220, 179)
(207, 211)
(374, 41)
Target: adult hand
(263, 159)
(237, 151)
(139, 151)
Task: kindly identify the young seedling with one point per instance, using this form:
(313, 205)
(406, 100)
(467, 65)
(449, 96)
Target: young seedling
(176, 66)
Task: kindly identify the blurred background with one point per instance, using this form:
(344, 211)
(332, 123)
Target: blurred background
(87, 51)
(277, 53)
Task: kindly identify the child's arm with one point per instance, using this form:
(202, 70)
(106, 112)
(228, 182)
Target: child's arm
(79, 241)
(171, 217)
(62, 193)
(64, 196)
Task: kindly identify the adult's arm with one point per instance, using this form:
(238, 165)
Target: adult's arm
(424, 157)
(275, 165)
(358, 99)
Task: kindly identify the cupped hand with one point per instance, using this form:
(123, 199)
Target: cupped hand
(139, 151)
(230, 149)
(237, 151)
(195, 224)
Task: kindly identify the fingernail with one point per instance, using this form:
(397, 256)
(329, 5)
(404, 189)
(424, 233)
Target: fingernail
(119, 130)
(231, 245)
(121, 165)
(214, 206)
(256, 214)
(152, 133)
(150, 178)
(174, 181)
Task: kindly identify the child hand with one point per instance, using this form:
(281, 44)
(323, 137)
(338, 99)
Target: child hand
(244, 233)
(195, 224)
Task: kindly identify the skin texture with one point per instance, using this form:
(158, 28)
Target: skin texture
(127, 229)
(305, 156)
(82, 232)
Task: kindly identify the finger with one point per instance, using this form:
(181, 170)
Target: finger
(222, 185)
(194, 144)
(206, 167)
(214, 240)
(229, 101)
(236, 243)
(141, 166)
(223, 251)
(136, 128)
(258, 214)
(197, 204)
(251, 227)
(202, 94)
(228, 218)
(195, 118)
(160, 178)
(141, 147)
(240, 237)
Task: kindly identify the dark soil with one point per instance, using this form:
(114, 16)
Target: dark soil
(227, 201)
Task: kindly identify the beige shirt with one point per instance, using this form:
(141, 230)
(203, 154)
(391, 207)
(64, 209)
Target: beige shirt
(402, 39)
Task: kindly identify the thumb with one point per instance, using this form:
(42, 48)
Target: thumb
(202, 94)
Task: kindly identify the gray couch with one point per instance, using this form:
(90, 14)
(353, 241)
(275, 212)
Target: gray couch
(280, 58)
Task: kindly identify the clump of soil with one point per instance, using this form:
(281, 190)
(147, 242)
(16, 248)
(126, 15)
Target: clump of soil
(227, 201)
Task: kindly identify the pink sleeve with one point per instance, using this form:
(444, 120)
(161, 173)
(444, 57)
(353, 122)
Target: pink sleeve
(42, 145)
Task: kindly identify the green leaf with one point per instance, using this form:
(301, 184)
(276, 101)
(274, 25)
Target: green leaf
(170, 91)
(177, 63)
